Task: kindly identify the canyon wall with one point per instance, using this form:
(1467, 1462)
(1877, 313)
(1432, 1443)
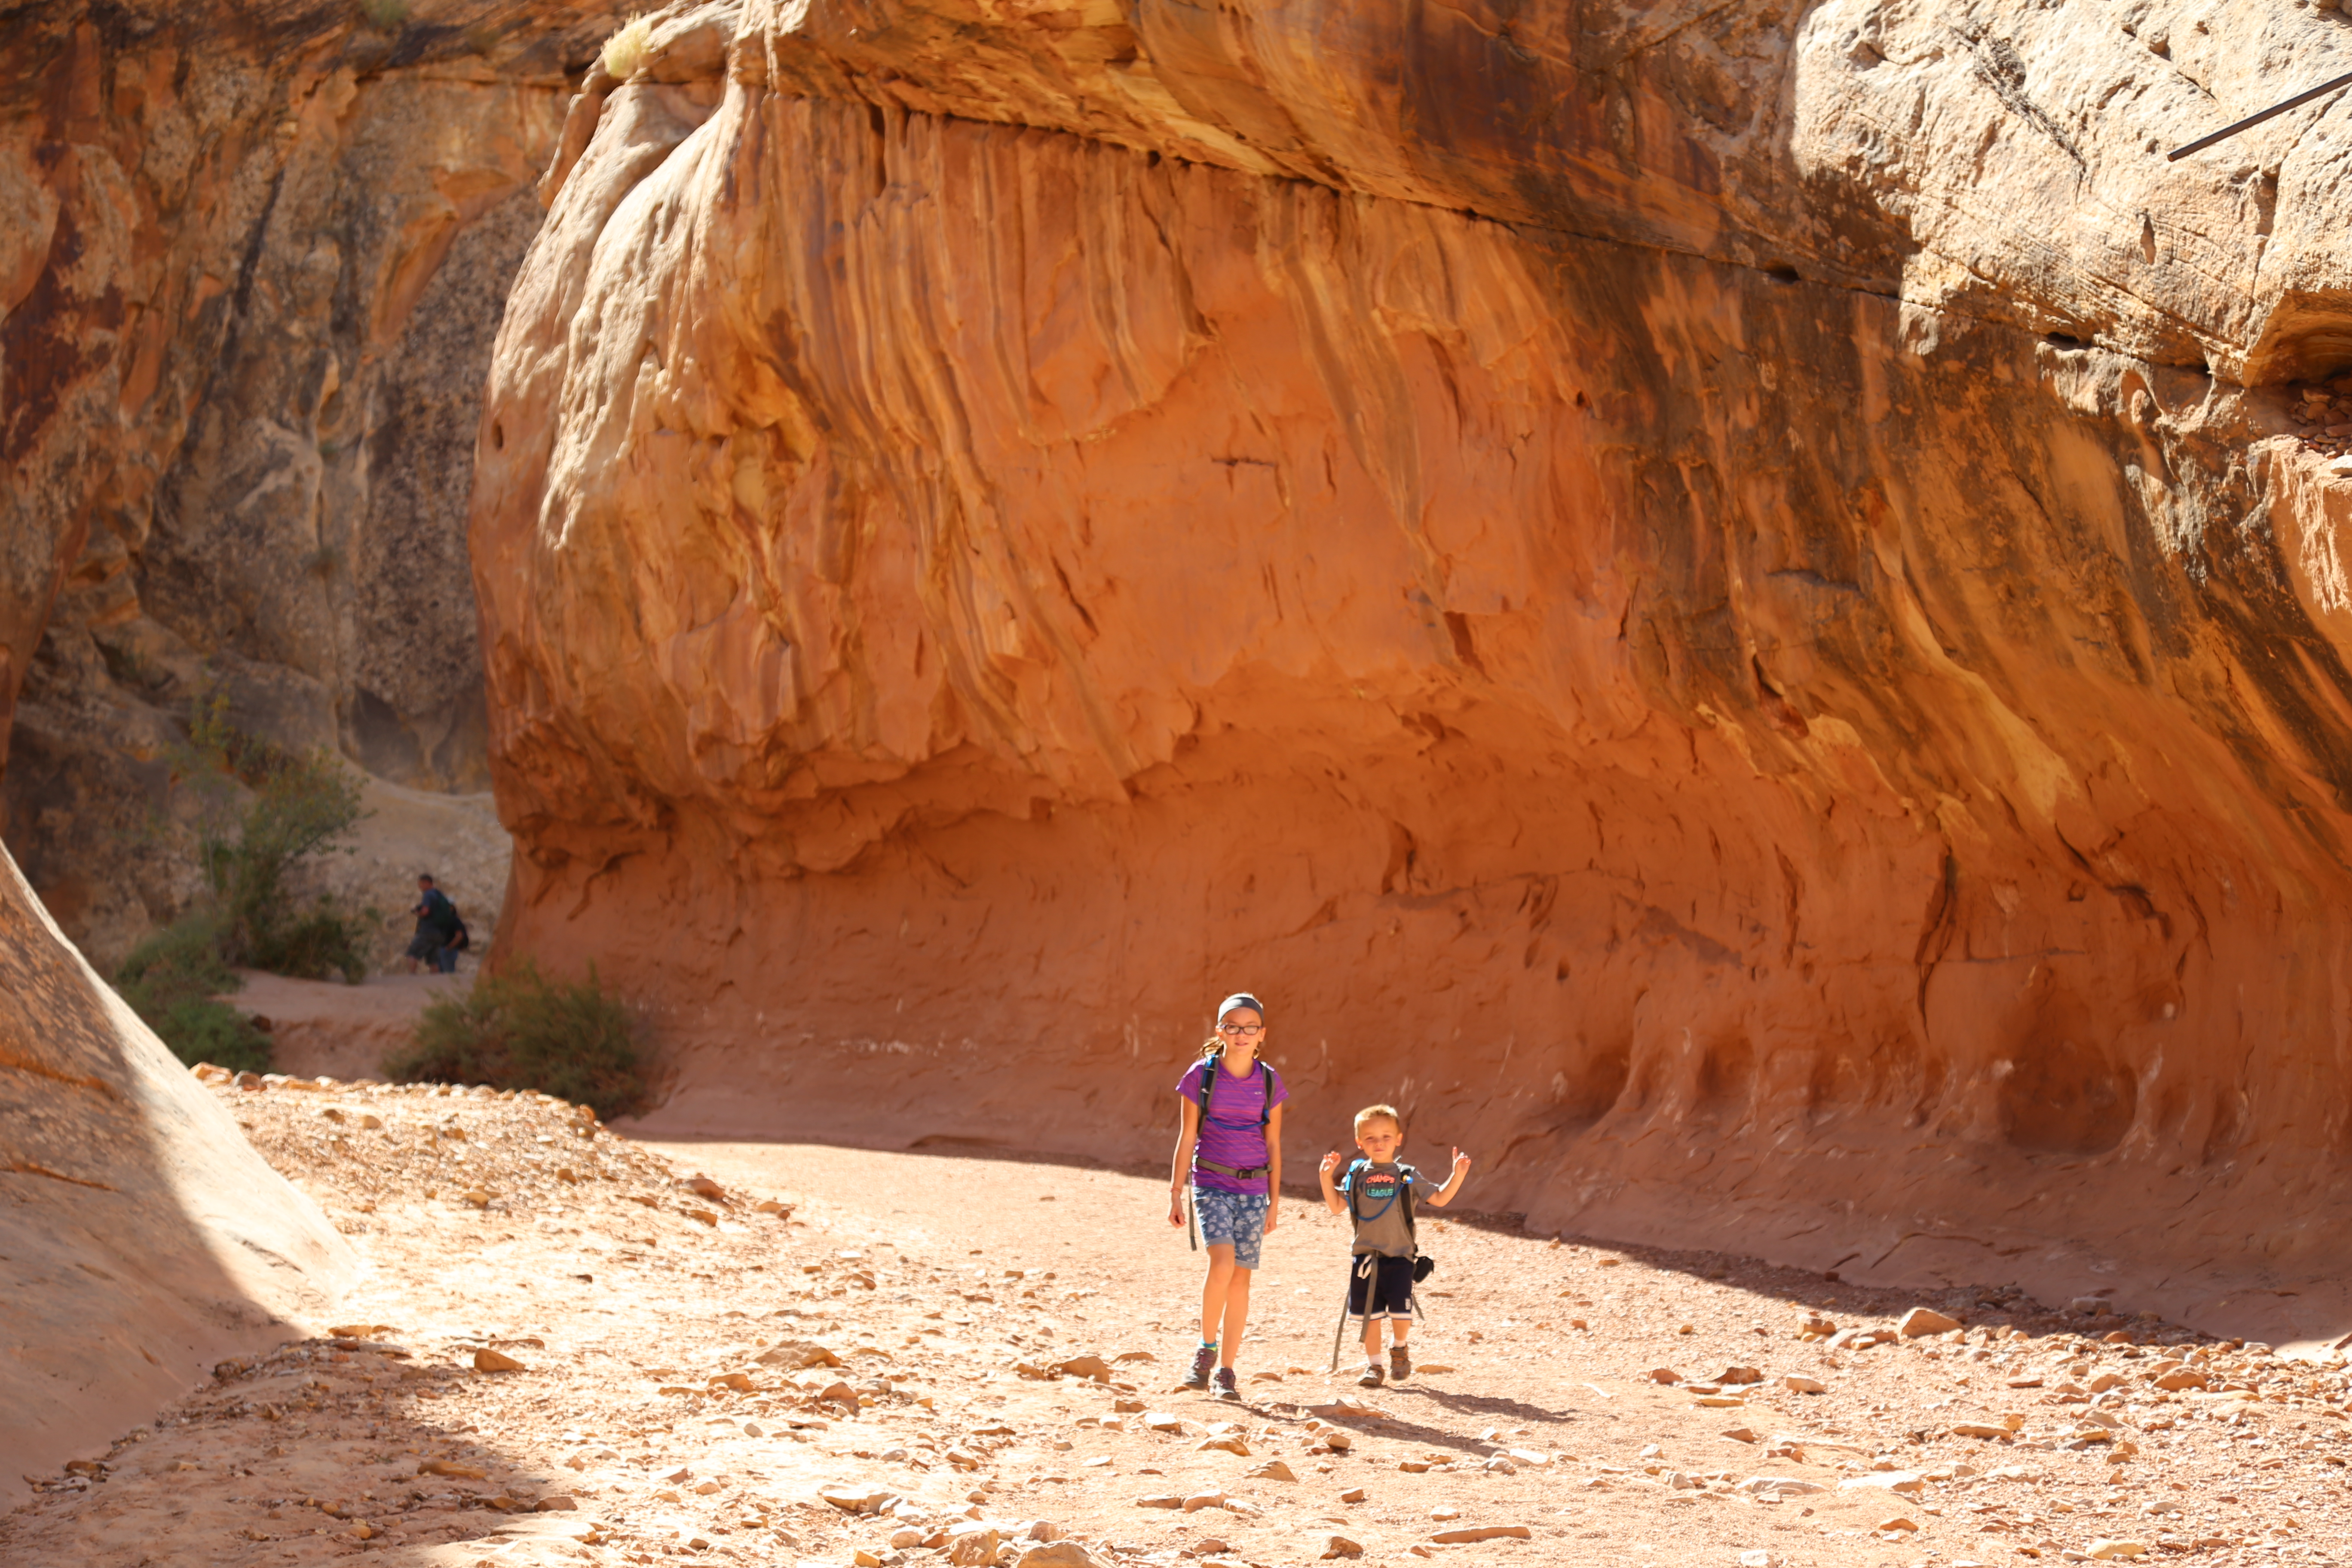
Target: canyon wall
(1743, 609)
(142, 1239)
(255, 261)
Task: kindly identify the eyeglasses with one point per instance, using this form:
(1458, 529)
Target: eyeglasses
(1241, 1028)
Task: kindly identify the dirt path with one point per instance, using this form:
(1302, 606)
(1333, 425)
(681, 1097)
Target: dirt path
(660, 1410)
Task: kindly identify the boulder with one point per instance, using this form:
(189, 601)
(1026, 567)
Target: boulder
(143, 1240)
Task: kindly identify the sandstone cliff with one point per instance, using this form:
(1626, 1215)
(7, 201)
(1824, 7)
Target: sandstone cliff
(254, 261)
(1744, 608)
(142, 1239)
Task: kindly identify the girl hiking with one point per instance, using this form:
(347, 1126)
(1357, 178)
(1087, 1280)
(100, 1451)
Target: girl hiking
(1230, 1152)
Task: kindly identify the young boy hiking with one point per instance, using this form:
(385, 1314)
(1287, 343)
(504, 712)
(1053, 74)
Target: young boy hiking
(1379, 1194)
(1230, 1151)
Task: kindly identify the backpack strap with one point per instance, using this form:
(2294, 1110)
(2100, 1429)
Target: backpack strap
(1406, 1176)
(1348, 1183)
(1265, 1113)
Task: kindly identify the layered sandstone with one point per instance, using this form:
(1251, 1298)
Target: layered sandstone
(1725, 603)
(254, 261)
(141, 1238)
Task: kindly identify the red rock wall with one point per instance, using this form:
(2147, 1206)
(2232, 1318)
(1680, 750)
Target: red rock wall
(1784, 687)
(252, 261)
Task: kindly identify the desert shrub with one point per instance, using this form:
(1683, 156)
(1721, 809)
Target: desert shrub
(262, 813)
(313, 946)
(518, 1029)
(199, 1029)
(624, 52)
(172, 980)
(384, 15)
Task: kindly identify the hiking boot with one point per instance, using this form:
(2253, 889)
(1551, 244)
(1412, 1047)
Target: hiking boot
(1228, 1387)
(1204, 1360)
(1372, 1378)
(1399, 1363)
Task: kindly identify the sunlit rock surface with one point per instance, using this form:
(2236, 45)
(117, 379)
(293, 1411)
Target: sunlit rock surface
(1726, 604)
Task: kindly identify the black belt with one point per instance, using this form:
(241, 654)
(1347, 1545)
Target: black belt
(1237, 1172)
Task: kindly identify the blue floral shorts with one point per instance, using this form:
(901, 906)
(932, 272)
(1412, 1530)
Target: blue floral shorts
(1232, 1219)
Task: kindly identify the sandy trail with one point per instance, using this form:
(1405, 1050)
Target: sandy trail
(659, 1412)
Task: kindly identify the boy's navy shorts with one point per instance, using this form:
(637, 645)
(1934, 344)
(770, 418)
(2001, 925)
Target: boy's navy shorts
(1380, 1287)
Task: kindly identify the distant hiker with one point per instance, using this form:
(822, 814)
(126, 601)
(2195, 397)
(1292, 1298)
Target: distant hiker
(1379, 1194)
(1230, 1152)
(440, 934)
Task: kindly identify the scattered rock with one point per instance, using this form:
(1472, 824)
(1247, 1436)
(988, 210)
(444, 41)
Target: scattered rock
(1897, 1523)
(1353, 1494)
(1665, 1374)
(1341, 1546)
(855, 1499)
(1160, 1421)
(1797, 1383)
(1483, 1533)
(1160, 1501)
(794, 1355)
(1058, 1554)
(1738, 1375)
(1229, 1444)
(1978, 1430)
(2106, 1549)
(1091, 1366)
(493, 1361)
(1199, 1500)
(1781, 1485)
(1272, 1470)
(975, 1548)
(1886, 1481)
(451, 1468)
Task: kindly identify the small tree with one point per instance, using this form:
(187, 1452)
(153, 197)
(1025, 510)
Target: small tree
(302, 804)
(262, 812)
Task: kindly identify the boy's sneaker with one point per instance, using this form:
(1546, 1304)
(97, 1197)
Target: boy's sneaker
(1204, 1360)
(1399, 1363)
(1372, 1378)
(1228, 1387)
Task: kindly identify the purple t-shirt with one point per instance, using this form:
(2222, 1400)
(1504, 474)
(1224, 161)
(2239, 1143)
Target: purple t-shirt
(1232, 1135)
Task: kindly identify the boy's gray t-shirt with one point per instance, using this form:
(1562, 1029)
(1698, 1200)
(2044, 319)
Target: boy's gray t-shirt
(1379, 1200)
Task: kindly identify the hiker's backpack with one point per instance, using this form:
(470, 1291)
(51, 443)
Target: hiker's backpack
(1406, 1176)
(461, 939)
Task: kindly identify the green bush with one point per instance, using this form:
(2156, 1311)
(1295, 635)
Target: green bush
(171, 981)
(312, 947)
(199, 1029)
(262, 812)
(518, 1029)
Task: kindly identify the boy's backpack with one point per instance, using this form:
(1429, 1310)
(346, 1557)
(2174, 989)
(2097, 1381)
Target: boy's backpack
(1406, 1176)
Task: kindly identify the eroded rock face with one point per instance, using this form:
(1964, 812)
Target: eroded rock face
(254, 263)
(1724, 605)
(142, 1239)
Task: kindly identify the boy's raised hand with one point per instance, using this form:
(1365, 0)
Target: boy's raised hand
(1461, 1163)
(1330, 1163)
